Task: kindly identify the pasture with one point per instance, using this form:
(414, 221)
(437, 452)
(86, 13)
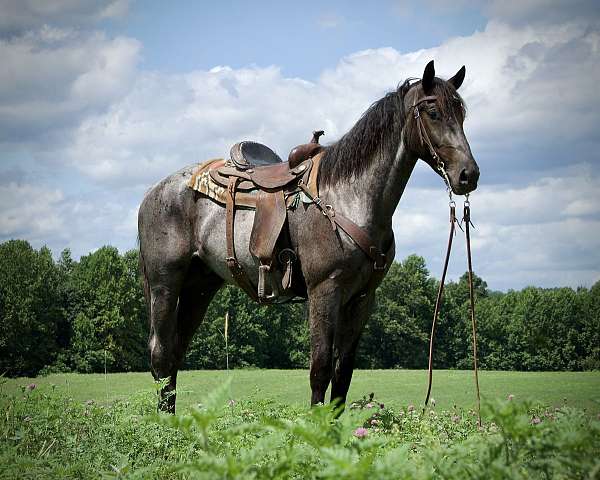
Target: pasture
(397, 388)
(257, 424)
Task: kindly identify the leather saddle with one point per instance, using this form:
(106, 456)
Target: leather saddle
(255, 168)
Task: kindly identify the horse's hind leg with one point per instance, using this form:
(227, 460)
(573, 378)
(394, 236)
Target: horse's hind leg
(175, 315)
(345, 342)
(200, 288)
(164, 297)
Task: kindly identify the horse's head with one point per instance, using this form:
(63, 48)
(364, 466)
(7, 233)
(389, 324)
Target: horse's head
(435, 129)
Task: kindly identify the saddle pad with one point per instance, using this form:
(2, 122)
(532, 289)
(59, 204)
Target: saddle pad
(202, 182)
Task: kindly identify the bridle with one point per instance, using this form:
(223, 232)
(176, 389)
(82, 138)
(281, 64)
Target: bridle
(424, 139)
(440, 166)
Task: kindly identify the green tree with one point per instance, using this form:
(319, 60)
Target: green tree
(109, 324)
(29, 308)
(397, 335)
(590, 331)
(453, 344)
(264, 337)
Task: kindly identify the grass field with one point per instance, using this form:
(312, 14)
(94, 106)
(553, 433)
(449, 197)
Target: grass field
(394, 387)
(91, 426)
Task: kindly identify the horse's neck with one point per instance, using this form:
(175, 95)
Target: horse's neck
(372, 197)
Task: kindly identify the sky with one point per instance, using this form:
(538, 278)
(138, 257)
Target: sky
(101, 99)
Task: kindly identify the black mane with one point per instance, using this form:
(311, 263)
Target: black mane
(377, 131)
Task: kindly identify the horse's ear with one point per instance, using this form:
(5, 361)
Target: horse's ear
(457, 79)
(428, 76)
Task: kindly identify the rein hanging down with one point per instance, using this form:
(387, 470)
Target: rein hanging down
(466, 220)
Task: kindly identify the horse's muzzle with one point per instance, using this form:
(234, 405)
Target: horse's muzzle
(466, 180)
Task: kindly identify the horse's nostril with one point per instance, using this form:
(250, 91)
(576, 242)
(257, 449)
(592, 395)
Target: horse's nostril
(463, 177)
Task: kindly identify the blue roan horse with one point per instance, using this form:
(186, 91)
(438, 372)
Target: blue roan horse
(361, 177)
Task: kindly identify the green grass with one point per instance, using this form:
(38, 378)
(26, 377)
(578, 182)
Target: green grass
(397, 388)
(46, 434)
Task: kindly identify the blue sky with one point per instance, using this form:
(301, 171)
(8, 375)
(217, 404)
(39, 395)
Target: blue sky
(302, 38)
(101, 99)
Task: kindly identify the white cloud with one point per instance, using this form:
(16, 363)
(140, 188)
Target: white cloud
(538, 234)
(516, 103)
(541, 11)
(21, 15)
(29, 211)
(81, 222)
(51, 78)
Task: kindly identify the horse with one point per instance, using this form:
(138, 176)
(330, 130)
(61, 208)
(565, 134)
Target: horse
(182, 235)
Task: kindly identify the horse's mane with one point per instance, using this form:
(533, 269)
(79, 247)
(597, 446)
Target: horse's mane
(377, 131)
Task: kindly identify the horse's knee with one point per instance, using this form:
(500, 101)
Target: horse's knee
(320, 359)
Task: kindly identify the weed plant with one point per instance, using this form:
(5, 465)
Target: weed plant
(47, 435)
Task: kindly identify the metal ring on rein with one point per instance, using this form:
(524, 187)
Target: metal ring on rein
(442, 169)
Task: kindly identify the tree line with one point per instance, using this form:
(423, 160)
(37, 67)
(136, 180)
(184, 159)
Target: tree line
(90, 316)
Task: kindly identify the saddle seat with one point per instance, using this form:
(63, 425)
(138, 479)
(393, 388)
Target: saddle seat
(247, 155)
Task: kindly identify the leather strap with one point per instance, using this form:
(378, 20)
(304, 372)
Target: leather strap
(237, 271)
(358, 235)
(438, 301)
(362, 239)
(425, 140)
(467, 222)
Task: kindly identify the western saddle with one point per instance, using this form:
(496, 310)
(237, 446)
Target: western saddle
(255, 177)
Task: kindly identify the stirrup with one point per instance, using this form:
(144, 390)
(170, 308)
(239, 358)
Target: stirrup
(264, 274)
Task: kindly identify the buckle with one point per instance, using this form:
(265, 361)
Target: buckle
(327, 210)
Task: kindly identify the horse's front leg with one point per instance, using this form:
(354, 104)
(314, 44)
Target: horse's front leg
(323, 313)
(347, 334)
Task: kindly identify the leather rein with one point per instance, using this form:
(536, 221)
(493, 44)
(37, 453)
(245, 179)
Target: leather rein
(441, 168)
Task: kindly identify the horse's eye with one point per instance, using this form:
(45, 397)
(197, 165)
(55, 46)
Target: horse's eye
(433, 114)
